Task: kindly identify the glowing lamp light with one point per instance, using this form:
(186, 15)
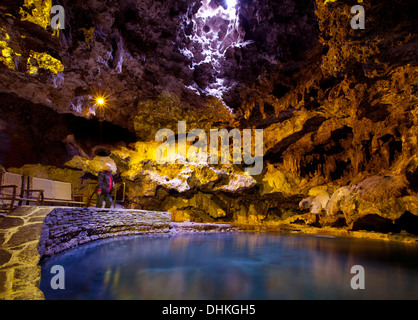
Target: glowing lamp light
(100, 101)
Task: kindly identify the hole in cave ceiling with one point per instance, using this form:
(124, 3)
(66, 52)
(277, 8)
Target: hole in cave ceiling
(210, 32)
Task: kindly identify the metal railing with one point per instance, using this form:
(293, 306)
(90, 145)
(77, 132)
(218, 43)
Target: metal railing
(119, 189)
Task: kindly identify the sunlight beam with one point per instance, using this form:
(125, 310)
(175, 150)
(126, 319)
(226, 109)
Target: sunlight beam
(231, 3)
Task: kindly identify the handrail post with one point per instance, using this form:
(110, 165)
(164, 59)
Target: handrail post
(124, 190)
(22, 189)
(12, 202)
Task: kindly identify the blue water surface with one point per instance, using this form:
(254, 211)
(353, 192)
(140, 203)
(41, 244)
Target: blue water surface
(233, 266)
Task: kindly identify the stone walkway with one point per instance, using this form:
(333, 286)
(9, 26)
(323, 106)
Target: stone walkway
(20, 232)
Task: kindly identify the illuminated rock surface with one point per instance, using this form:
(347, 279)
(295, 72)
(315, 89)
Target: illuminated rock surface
(338, 106)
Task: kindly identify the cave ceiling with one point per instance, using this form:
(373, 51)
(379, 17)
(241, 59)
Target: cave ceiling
(332, 101)
(138, 51)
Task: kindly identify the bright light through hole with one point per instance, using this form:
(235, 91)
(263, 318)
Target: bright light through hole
(231, 3)
(216, 29)
(100, 101)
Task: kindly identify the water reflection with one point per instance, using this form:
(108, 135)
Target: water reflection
(234, 266)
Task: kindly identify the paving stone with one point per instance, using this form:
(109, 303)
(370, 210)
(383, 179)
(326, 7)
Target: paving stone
(25, 234)
(11, 222)
(4, 256)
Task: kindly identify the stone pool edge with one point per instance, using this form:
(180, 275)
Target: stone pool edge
(29, 233)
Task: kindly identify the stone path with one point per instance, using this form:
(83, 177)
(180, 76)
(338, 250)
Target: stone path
(20, 232)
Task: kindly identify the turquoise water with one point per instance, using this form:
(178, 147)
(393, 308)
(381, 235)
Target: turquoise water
(236, 266)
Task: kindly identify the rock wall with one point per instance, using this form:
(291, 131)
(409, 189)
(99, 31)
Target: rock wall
(65, 228)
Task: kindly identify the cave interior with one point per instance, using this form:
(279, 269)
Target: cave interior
(337, 105)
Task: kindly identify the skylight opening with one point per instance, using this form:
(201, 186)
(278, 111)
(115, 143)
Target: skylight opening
(231, 3)
(215, 30)
(207, 11)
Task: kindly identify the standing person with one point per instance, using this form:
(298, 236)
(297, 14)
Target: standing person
(105, 186)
